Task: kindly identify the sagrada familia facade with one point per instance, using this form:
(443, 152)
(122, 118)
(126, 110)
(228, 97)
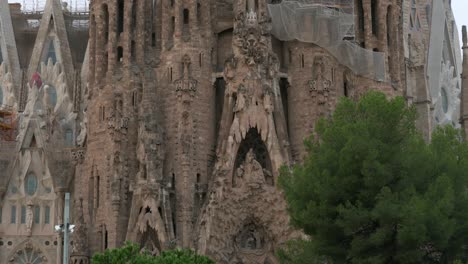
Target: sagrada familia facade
(168, 120)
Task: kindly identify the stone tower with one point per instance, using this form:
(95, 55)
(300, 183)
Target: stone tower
(245, 217)
(186, 87)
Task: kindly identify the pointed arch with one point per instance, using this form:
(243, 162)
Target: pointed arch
(253, 141)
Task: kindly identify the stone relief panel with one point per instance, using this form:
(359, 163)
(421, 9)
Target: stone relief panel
(7, 94)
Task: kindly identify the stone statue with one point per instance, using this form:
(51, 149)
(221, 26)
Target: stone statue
(29, 217)
(80, 140)
(251, 172)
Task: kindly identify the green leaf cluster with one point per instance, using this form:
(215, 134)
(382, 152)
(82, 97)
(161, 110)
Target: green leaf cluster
(371, 190)
(130, 254)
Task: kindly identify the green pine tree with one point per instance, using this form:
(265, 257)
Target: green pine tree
(130, 254)
(371, 190)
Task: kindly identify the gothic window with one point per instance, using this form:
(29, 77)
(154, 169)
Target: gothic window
(415, 23)
(51, 53)
(47, 215)
(52, 93)
(375, 23)
(186, 16)
(444, 98)
(134, 13)
(198, 12)
(360, 14)
(105, 22)
(389, 25)
(68, 138)
(23, 214)
(30, 184)
(302, 60)
(1, 96)
(13, 214)
(251, 237)
(120, 16)
(37, 214)
(119, 54)
(1, 57)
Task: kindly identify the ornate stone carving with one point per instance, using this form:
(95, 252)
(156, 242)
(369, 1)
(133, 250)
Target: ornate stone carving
(27, 254)
(80, 239)
(320, 86)
(186, 84)
(251, 36)
(150, 152)
(250, 172)
(29, 217)
(7, 89)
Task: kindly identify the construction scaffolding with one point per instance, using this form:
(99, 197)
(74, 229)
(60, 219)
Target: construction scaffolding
(7, 123)
(330, 25)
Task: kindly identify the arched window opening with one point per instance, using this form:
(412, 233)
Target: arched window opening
(374, 11)
(1, 214)
(302, 61)
(170, 73)
(120, 16)
(1, 57)
(68, 138)
(445, 101)
(106, 238)
(135, 98)
(153, 39)
(37, 214)
(284, 86)
(105, 64)
(119, 54)
(173, 181)
(47, 215)
(1, 95)
(253, 142)
(199, 15)
(105, 17)
(52, 96)
(133, 51)
(200, 59)
(198, 178)
(134, 13)
(30, 184)
(172, 3)
(220, 86)
(389, 25)
(97, 191)
(345, 88)
(186, 16)
(360, 14)
(13, 214)
(23, 214)
(50, 53)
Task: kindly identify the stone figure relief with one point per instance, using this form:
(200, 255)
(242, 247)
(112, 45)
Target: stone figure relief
(319, 86)
(80, 240)
(250, 173)
(7, 89)
(81, 139)
(150, 151)
(186, 84)
(29, 217)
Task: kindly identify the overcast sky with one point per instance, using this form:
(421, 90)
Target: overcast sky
(460, 10)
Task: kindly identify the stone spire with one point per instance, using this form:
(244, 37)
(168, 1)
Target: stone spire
(464, 76)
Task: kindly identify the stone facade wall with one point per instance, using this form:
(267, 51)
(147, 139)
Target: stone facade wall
(183, 114)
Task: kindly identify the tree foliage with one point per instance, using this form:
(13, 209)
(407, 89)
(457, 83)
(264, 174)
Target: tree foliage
(130, 254)
(371, 190)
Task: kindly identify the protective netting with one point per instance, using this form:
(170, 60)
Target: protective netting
(330, 25)
(38, 5)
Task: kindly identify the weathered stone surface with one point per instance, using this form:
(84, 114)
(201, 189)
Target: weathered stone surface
(169, 129)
